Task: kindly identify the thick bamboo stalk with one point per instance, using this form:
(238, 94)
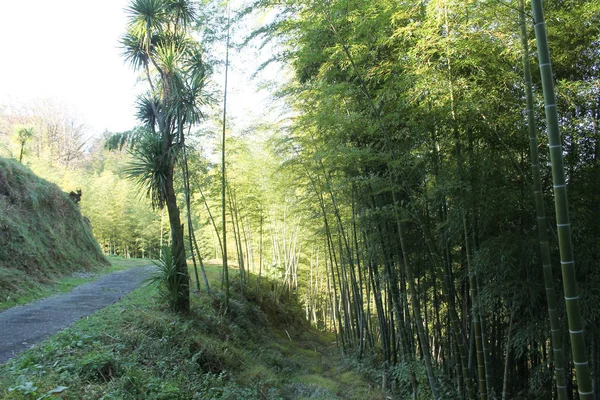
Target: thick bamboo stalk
(561, 205)
(555, 329)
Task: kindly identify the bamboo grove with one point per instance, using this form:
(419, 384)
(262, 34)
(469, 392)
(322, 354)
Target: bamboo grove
(418, 153)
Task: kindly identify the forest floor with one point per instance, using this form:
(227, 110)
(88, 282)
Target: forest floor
(136, 349)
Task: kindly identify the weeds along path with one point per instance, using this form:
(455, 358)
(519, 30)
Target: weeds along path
(23, 326)
(319, 372)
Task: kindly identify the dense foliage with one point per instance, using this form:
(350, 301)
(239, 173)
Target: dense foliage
(410, 142)
(400, 199)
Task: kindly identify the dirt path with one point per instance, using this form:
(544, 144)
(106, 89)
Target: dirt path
(22, 327)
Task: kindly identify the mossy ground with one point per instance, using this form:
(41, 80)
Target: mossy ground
(136, 349)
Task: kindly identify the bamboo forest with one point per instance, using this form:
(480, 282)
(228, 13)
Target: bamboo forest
(421, 182)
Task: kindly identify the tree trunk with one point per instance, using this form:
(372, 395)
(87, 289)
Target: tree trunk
(177, 246)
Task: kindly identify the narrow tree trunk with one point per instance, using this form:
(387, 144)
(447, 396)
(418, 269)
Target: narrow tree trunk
(260, 251)
(191, 233)
(201, 262)
(236, 237)
(223, 180)
(247, 231)
(212, 220)
(190, 241)
(21, 153)
(507, 359)
(475, 315)
(486, 355)
(242, 257)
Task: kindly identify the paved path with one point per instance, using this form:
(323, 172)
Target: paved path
(22, 327)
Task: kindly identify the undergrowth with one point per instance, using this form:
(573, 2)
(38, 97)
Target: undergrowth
(136, 349)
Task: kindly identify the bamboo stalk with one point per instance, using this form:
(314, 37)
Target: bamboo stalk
(555, 329)
(561, 205)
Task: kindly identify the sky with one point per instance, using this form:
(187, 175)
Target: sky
(67, 51)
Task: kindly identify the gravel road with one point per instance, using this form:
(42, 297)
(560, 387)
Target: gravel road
(23, 326)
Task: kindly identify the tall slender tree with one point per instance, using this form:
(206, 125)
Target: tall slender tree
(159, 43)
(223, 175)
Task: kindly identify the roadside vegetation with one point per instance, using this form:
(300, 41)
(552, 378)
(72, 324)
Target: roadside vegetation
(262, 348)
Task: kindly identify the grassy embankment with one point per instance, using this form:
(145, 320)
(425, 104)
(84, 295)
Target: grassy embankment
(43, 236)
(136, 349)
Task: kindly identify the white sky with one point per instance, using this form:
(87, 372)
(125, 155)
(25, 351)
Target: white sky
(67, 50)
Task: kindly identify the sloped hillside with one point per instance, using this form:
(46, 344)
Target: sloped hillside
(42, 232)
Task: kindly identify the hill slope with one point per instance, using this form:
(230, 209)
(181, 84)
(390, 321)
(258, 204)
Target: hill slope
(42, 232)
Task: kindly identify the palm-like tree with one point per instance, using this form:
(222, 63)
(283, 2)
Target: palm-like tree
(23, 135)
(158, 44)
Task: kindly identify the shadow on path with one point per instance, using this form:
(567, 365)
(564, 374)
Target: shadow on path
(23, 326)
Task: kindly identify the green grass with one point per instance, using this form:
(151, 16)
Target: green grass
(121, 263)
(63, 284)
(213, 273)
(320, 381)
(137, 349)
